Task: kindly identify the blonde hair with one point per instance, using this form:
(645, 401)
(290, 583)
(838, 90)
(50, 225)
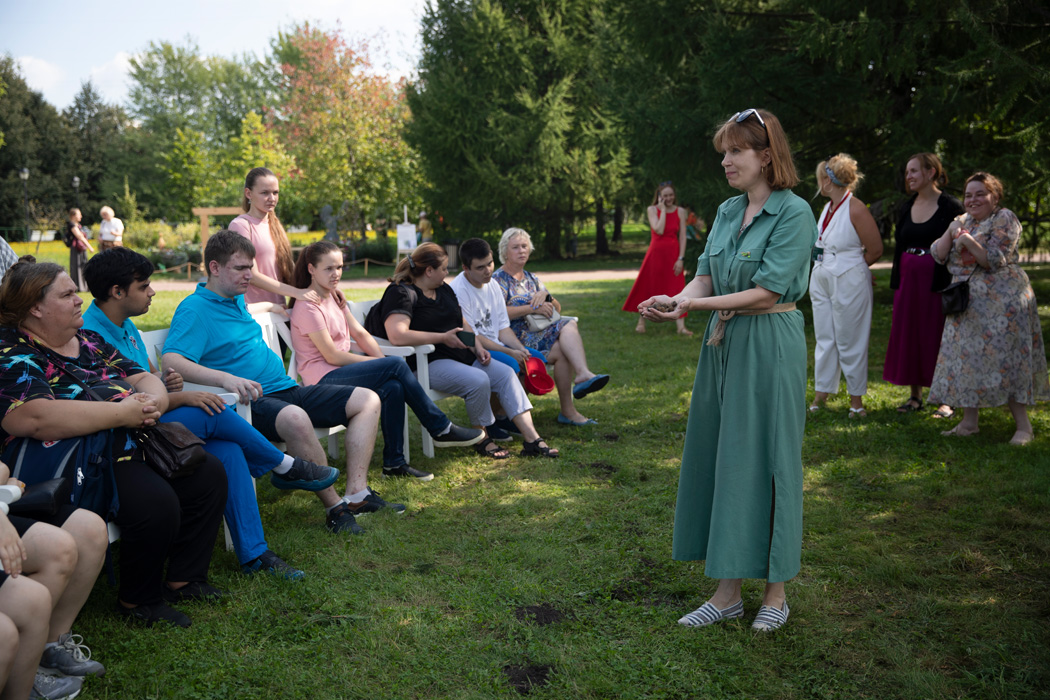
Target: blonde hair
(106, 210)
(844, 168)
(750, 133)
(508, 235)
(285, 266)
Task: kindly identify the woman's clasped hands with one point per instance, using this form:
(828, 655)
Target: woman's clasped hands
(140, 410)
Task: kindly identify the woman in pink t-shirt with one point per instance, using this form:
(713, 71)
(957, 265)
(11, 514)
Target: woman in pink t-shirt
(272, 271)
(321, 335)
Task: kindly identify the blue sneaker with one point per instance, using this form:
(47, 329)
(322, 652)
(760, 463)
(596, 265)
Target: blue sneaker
(273, 564)
(305, 476)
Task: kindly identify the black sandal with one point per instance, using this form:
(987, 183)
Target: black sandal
(482, 448)
(910, 406)
(535, 449)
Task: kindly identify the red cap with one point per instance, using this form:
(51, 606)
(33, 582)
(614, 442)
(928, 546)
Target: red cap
(536, 379)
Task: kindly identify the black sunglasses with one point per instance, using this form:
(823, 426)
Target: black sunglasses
(743, 116)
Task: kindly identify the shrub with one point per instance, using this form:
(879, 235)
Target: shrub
(381, 249)
(147, 234)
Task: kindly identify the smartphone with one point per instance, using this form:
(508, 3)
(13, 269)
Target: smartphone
(466, 337)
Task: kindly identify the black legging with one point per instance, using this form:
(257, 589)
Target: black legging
(175, 520)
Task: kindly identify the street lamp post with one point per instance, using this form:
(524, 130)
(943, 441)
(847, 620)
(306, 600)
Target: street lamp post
(76, 189)
(24, 175)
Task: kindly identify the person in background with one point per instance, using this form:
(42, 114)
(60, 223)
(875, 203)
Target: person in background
(992, 353)
(77, 241)
(840, 285)
(110, 231)
(321, 335)
(272, 274)
(425, 228)
(119, 280)
(740, 493)
(918, 321)
(663, 269)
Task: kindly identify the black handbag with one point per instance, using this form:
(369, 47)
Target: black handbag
(171, 449)
(42, 500)
(955, 298)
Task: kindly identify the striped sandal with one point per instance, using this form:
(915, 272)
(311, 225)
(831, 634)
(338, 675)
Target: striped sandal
(708, 614)
(769, 618)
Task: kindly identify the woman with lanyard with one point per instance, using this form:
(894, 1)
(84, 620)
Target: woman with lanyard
(840, 285)
(740, 492)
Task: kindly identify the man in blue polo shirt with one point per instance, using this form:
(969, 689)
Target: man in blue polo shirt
(215, 341)
(119, 280)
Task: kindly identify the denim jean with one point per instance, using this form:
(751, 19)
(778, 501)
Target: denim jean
(391, 378)
(244, 453)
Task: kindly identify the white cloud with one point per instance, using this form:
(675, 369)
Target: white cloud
(110, 79)
(41, 75)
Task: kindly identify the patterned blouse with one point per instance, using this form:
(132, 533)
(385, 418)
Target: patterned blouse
(29, 371)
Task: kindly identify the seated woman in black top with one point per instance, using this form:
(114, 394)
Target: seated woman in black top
(419, 308)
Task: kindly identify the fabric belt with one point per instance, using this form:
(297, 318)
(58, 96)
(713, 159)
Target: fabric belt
(918, 251)
(723, 316)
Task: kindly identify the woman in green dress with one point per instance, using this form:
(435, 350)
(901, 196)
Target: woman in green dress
(740, 491)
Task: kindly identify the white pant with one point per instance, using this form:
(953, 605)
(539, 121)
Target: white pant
(474, 383)
(842, 325)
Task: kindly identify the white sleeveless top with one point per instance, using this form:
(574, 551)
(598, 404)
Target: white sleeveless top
(842, 247)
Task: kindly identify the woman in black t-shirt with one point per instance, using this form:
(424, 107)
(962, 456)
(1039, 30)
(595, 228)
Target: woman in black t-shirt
(419, 308)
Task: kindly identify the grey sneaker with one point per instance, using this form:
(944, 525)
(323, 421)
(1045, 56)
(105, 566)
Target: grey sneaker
(55, 687)
(70, 657)
(458, 436)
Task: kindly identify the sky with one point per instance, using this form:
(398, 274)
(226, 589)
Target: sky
(59, 44)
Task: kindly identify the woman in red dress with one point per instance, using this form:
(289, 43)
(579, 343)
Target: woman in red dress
(663, 269)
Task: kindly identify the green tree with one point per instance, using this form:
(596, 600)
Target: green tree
(509, 118)
(878, 80)
(37, 138)
(342, 124)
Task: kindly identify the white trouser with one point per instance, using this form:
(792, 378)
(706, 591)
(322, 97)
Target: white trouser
(474, 383)
(842, 325)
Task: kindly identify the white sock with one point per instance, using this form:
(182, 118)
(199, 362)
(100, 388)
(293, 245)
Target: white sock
(329, 509)
(446, 430)
(356, 497)
(285, 465)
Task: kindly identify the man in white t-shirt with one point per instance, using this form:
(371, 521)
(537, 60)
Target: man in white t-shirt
(485, 309)
(110, 231)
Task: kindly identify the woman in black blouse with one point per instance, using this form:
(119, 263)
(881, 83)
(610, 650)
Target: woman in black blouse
(418, 308)
(162, 522)
(915, 336)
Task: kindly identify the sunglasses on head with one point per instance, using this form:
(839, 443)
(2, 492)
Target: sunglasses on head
(743, 116)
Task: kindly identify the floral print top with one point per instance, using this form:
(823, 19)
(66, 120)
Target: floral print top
(28, 371)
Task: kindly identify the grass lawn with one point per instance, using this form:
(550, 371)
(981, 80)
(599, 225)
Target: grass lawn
(925, 562)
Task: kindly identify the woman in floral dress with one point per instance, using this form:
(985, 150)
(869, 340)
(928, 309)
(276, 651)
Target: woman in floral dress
(991, 353)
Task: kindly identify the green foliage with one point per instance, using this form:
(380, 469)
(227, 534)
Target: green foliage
(507, 117)
(144, 235)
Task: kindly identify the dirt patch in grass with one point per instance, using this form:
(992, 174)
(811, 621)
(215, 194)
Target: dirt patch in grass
(541, 615)
(602, 467)
(611, 437)
(524, 678)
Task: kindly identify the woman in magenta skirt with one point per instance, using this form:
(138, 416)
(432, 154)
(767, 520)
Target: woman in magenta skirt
(663, 269)
(918, 322)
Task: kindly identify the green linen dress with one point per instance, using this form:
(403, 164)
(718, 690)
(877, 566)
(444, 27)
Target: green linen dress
(740, 491)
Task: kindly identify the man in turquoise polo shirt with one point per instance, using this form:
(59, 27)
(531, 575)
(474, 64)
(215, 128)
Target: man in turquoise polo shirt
(119, 280)
(215, 341)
